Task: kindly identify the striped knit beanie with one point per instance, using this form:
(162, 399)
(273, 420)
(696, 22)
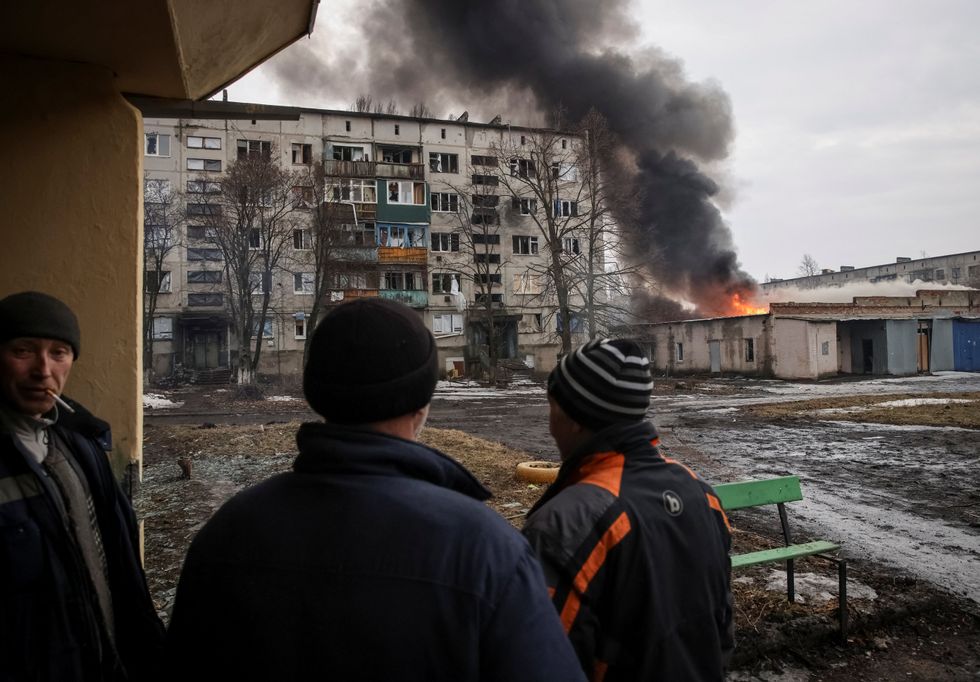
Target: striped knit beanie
(603, 382)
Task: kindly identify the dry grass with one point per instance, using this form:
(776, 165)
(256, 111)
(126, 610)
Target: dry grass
(964, 415)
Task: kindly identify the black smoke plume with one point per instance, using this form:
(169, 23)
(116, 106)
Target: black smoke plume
(546, 55)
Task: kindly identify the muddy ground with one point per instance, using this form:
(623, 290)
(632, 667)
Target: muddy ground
(901, 497)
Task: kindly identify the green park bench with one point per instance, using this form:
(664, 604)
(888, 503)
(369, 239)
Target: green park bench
(779, 491)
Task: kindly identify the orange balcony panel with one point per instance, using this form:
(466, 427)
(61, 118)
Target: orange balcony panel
(397, 254)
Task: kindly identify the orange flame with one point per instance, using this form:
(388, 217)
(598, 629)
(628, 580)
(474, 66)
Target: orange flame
(739, 307)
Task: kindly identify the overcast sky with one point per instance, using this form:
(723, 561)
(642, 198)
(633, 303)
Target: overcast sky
(857, 123)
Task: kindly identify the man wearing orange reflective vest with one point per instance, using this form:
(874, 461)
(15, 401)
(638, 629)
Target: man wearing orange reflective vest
(634, 545)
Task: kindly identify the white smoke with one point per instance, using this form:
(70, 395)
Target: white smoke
(846, 293)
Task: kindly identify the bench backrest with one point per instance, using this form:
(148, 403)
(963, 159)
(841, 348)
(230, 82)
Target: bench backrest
(757, 493)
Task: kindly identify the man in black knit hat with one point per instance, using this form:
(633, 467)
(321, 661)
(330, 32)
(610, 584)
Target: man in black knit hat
(73, 598)
(634, 545)
(374, 559)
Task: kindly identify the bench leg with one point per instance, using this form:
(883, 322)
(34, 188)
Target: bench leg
(842, 598)
(790, 582)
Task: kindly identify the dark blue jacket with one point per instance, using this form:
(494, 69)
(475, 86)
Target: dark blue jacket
(373, 560)
(48, 623)
(635, 549)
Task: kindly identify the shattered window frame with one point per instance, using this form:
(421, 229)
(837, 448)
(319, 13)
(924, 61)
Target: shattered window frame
(445, 242)
(305, 150)
(443, 162)
(156, 144)
(442, 282)
(524, 245)
(444, 202)
(304, 283)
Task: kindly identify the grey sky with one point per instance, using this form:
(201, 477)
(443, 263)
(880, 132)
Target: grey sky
(858, 123)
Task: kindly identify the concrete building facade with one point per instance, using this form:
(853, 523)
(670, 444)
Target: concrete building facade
(958, 268)
(875, 335)
(405, 181)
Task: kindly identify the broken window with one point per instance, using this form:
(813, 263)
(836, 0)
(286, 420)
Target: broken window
(564, 171)
(198, 142)
(401, 236)
(205, 300)
(679, 352)
(564, 143)
(955, 273)
(303, 282)
(203, 209)
(302, 153)
(254, 148)
(406, 192)
(445, 241)
(482, 238)
(204, 165)
(266, 328)
(524, 245)
(362, 234)
(203, 187)
(440, 162)
(302, 239)
(341, 152)
(749, 350)
(565, 208)
(482, 298)
(349, 280)
(444, 202)
(398, 129)
(303, 196)
(204, 276)
(403, 281)
(156, 144)
(205, 254)
(358, 191)
(397, 155)
(489, 180)
(484, 160)
(486, 200)
(524, 205)
(158, 237)
(487, 278)
(445, 283)
(485, 216)
(299, 326)
(347, 126)
(163, 328)
(493, 258)
(576, 324)
(531, 322)
(259, 282)
(255, 238)
(523, 168)
(570, 245)
(940, 274)
(157, 282)
(447, 323)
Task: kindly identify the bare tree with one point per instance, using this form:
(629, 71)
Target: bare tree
(479, 260)
(163, 213)
(252, 220)
(600, 270)
(534, 169)
(808, 266)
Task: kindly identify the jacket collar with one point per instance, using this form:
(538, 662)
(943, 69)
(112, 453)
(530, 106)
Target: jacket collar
(336, 449)
(629, 439)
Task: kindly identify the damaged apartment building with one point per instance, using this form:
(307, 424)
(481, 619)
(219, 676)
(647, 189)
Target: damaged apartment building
(934, 330)
(426, 200)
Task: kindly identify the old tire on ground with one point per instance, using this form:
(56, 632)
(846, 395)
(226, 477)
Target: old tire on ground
(537, 472)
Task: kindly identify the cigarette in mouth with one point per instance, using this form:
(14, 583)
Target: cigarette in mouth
(57, 399)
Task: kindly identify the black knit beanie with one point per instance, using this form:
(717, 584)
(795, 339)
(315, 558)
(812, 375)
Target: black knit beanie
(370, 360)
(602, 383)
(32, 314)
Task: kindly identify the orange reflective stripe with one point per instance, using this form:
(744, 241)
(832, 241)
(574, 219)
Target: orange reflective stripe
(655, 442)
(612, 537)
(715, 504)
(599, 674)
(604, 470)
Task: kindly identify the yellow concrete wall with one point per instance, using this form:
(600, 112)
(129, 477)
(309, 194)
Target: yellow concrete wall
(70, 178)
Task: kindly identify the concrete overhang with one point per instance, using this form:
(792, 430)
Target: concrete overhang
(179, 49)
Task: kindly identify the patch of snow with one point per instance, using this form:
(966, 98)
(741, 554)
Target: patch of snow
(281, 398)
(915, 402)
(811, 587)
(156, 401)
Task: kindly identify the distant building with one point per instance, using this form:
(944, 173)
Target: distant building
(878, 335)
(959, 268)
(403, 177)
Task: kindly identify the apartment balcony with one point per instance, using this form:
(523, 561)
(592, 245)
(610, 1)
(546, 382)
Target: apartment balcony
(413, 255)
(413, 299)
(355, 254)
(374, 169)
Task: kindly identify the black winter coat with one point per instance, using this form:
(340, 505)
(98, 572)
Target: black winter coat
(635, 549)
(48, 623)
(372, 560)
